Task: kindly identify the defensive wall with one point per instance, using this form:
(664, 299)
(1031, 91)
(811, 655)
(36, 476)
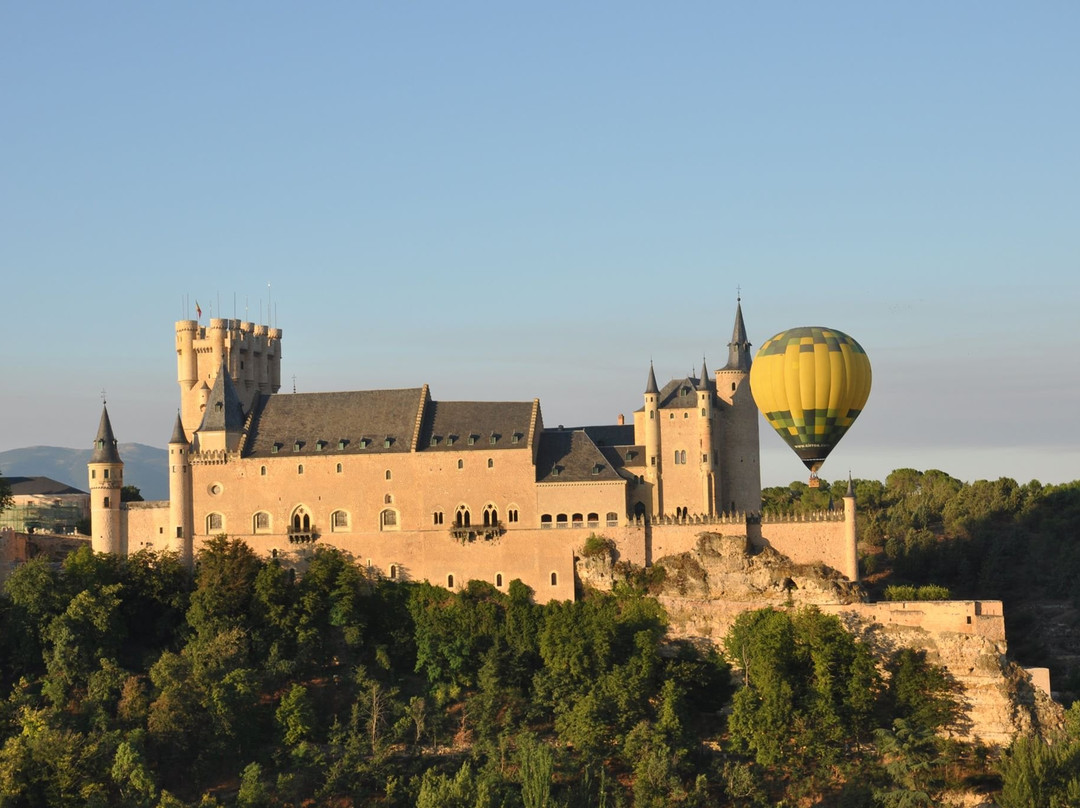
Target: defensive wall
(541, 557)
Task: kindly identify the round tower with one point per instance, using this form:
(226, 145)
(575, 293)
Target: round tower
(705, 433)
(106, 473)
(652, 439)
(740, 469)
(851, 536)
(181, 514)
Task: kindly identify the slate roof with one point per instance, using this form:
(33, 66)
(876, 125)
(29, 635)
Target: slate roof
(611, 434)
(679, 393)
(448, 425)
(223, 408)
(31, 486)
(178, 435)
(739, 347)
(283, 420)
(105, 450)
(567, 456)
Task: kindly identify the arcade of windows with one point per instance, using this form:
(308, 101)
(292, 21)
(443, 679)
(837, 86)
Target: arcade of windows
(562, 520)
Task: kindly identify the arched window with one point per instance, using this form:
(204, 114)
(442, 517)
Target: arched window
(462, 518)
(339, 521)
(214, 521)
(300, 468)
(491, 463)
(612, 519)
(561, 521)
(511, 514)
(339, 467)
(262, 471)
(554, 579)
(592, 520)
(388, 499)
(437, 518)
(301, 521)
(577, 520)
(388, 475)
(388, 520)
(460, 463)
(545, 520)
(260, 523)
(450, 581)
(393, 572)
(491, 516)
(498, 579)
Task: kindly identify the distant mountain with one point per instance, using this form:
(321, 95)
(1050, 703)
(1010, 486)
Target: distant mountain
(146, 467)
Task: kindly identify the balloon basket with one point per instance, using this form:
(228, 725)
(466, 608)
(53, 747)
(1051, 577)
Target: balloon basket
(814, 481)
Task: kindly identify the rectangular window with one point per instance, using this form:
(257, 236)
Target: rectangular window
(437, 518)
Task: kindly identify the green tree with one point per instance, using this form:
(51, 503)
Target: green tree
(5, 494)
(808, 694)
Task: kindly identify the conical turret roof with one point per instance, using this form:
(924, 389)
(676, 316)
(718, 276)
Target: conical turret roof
(703, 382)
(178, 434)
(105, 450)
(739, 347)
(652, 387)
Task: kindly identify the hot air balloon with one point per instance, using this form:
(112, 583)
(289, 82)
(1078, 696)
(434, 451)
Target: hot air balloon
(811, 384)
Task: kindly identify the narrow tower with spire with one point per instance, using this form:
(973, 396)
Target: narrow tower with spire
(106, 471)
(181, 518)
(740, 472)
(653, 466)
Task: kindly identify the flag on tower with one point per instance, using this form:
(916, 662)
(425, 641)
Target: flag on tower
(198, 311)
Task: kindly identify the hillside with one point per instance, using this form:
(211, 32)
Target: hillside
(144, 466)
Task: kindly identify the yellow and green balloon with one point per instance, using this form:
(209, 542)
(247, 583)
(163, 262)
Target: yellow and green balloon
(811, 383)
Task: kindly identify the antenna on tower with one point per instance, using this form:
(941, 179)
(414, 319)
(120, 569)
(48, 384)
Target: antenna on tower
(294, 383)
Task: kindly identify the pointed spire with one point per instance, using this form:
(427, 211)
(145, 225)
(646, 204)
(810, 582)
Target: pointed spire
(178, 435)
(223, 408)
(739, 347)
(652, 387)
(850, 487)
(703, 383)
(105, 450)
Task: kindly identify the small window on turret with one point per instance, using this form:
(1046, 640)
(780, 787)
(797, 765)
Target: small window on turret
(733, 387)
(106, 502)
(106, 474)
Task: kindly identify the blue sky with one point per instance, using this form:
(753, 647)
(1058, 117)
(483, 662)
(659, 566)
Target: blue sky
(509, 201)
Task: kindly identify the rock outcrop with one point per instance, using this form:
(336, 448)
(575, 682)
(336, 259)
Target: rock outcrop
(705, 590)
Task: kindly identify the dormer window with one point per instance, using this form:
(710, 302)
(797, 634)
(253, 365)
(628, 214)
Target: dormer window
(494, 439)
(386, 443)
(364, 443)
(341, 443)
(597, 469)
(472, 439)
(450, 440)
(296, 446)
(274, 448)
(516, 437)
(319, 444)
(434, 440)
(556, 471)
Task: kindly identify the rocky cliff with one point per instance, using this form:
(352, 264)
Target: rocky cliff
(706, 589)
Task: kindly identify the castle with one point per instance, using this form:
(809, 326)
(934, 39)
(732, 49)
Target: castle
(447, 491)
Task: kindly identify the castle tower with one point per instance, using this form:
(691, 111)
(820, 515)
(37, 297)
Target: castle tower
(740, 471)
(181, 518)
(706, 446)
(652, 440)
(251, 352)
(851, 537)
(106, 471)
